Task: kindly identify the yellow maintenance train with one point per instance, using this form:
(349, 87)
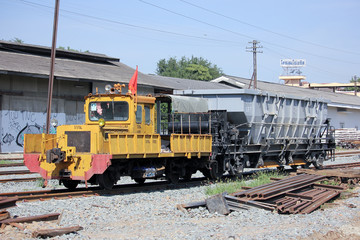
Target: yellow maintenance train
(172, 137)
(117, 139)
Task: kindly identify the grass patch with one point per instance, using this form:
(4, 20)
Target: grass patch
(40, 182)
(7, 161)
(231, 186)
(330, 182)
(339, 148)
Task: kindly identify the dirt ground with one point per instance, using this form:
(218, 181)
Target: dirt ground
(349, 230)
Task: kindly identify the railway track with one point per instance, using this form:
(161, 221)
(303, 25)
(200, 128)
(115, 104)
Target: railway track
(20, 164)
(96, 191)
(347, 153)
(125, 188)
(23, 172)
(344, 165)
(118, 189)
(17, 172)
(18, 179)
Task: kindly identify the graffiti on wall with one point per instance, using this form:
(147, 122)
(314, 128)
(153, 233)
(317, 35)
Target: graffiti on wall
(8, 138)
(28, 129)
(15, 124)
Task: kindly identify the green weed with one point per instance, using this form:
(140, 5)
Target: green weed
(40, 182)
(6, 161)
(330, 182)
(230, 186)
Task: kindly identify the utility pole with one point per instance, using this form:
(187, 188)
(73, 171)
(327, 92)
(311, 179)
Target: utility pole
(52, 65)
(254, 50)
(355, 79)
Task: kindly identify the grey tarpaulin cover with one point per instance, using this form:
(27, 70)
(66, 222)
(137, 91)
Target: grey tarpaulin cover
(188, 104)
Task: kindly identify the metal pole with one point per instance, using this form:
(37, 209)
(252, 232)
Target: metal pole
(52, 65)
(355, 85)
(254, 50)
(254, 64)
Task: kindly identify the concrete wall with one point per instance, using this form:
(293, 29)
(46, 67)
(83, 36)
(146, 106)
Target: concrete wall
(344, 118)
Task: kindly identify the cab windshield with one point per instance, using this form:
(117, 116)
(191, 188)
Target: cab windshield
(109, 111)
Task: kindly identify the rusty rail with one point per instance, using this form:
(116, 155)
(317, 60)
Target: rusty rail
(19, 172)
(45, 217)
(20, 164)
(344, 153)
(18, 180)
(6, 202)
(300, 194)
(279, 187)
(48, 233)
(95, 191)
(343, 165)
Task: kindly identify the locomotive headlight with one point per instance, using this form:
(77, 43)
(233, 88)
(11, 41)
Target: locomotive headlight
(101, 122)
(107, 88)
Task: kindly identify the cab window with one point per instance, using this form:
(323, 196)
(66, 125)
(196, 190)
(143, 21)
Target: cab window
(147, 115)
(109, 111)
(139, 114)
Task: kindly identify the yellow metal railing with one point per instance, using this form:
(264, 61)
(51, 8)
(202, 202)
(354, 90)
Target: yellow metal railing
(125, 144)
(39, 143)
(190, 143)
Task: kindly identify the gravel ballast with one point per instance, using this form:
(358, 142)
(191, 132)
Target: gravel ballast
(153, 215)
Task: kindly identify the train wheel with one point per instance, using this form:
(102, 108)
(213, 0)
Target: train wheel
(173, 177)
(306, 165)
(106, 180)
(236, 167)
(294, 167)
(139, 180)
(172, 173)
(70, 184)
(206, 172)
(188, 174)
(319, 162)
(216, 170)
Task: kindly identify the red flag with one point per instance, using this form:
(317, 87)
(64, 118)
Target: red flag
(133, 82)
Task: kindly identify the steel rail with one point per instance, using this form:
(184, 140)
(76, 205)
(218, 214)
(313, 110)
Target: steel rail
(20, 164)
(343, 165)
(96, 191)
(342, 153)
(18, 172)
(19, 179)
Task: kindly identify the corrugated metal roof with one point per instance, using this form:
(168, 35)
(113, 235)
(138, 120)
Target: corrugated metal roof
(335, 98)
(60, 53)
(106, 69)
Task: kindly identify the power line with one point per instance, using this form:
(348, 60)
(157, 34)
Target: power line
(242, 35)
(181, 34)
(196, 20)
(132, 25)
(267, 30)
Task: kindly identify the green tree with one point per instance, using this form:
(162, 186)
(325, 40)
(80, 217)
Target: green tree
(71, 49)
(353, 79)
(16, 40)
(189, 68)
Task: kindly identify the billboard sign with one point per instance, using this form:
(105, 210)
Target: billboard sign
(292, 63)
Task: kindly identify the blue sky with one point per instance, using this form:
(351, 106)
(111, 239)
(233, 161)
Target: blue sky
(140, 32)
